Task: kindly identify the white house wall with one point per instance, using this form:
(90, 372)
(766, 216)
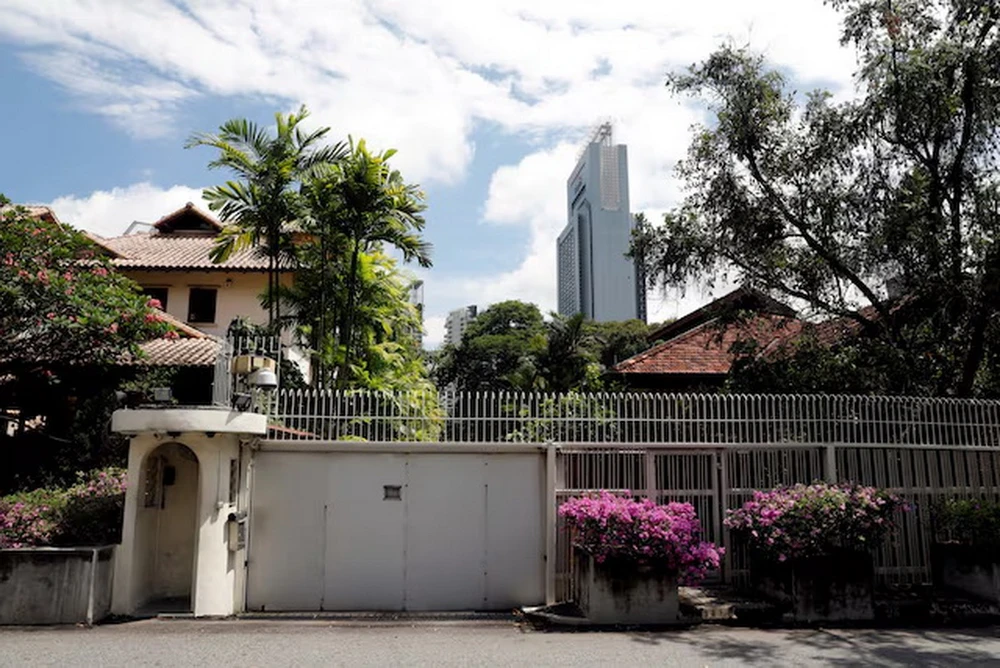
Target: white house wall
(238, 294)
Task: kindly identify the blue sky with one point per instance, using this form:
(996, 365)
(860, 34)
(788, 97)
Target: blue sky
(487, 104)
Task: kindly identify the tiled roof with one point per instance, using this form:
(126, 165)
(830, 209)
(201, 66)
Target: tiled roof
(179, 352)
(35, 211)
(153, 250)
(740, 299)
(705, 349)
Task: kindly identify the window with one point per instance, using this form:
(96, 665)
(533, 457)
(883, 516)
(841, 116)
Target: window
(201, 305)
(159, 294)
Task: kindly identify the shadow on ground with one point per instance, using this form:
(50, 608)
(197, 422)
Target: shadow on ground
(839, 647)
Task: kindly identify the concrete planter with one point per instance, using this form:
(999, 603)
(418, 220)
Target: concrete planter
(838, 586)
(972, 570)
(624, 593)
(55, 585)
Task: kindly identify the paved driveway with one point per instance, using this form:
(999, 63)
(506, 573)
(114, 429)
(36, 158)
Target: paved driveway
(325, 643)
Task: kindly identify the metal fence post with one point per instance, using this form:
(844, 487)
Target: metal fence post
(830, 463)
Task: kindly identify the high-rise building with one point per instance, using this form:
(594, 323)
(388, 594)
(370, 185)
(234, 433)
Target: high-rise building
(457, 322)
(417, 299)
(594, 275)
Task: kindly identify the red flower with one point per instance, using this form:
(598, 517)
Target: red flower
(154, 303)
(171, 335)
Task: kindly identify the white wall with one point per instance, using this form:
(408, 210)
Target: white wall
(466, 534)
(144, 542)
(238, 293)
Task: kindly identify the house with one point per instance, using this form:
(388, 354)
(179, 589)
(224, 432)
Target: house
(172, 262)
(695, 352)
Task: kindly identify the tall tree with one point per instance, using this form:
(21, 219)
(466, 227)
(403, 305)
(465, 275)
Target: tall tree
(499, 350)
(368, 203)
(263, 199)
(832, 204)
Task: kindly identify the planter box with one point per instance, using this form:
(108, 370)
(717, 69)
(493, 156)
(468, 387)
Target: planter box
(624, 593)
(55, 585)
(839, 586)
(972, 570)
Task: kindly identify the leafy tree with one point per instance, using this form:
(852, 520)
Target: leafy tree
(67, 320)
(499, 350)
(612, 342)
(826, 203)
(566, 363)
(363, 201)
(263, 200)
(61, 304)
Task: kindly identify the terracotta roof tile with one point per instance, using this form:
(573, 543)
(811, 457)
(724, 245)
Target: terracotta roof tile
(706, 350)
(179, 352)
(177, 251)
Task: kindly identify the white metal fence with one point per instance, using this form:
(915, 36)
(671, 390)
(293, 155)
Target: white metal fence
(710, 450)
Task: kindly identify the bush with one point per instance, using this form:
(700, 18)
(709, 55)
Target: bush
(973, 522)
(621, 529)
(811, 520)
(88, 513)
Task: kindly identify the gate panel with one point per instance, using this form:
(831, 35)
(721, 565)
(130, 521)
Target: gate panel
(515, 541)
(285, 562)
(446, 532)
(364, 532)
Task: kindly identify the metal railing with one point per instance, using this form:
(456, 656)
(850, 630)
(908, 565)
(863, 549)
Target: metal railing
(225, 381)
(637, 418)
(222, 376)
(710, 450)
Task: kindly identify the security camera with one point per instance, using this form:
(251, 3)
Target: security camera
(264, 379)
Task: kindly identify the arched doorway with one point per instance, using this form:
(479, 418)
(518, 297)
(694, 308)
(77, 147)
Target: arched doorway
(166, 528)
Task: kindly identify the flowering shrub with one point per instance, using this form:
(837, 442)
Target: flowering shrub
(24, 525)
(809, 520)
(969, 522)
(88, 513)
(621, 529)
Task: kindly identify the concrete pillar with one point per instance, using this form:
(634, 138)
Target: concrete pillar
(125, 595)
(214, 571)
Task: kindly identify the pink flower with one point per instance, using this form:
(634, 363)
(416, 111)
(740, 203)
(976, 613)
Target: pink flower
(154, 303)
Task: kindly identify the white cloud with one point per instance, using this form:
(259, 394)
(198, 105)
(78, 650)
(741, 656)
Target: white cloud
(109, 212)
(433, 331)
(421, 77)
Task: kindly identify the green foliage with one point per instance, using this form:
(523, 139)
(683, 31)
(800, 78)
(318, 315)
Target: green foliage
(357, 205)
(259, 205)
(61, 304)
(88, 512)
(973, 522)
(510, 347)
(499, 350)
(824, 203)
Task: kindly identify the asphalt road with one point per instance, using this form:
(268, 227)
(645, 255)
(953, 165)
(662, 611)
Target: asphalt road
(325, 643)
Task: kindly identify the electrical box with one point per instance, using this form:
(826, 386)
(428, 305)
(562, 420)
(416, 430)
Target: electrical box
(236, 530)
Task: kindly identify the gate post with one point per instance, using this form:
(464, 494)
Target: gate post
(830, 463)
(550, 523)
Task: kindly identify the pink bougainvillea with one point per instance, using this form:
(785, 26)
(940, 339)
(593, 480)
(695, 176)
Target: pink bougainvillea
(808, 520)
(621, 529)
(87, 513)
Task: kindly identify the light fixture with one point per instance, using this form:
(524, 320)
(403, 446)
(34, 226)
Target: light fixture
(242, 401)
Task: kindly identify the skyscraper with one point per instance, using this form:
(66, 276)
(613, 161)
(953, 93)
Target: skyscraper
(594, 275)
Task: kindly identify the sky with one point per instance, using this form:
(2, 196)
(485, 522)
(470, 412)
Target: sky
(488, 103)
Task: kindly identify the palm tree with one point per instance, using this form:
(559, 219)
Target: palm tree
(259, 204)
(368, 203)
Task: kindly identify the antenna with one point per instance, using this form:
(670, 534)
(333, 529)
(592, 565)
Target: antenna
(603, 133)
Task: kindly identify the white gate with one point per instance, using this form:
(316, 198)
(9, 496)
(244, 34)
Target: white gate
(380, 527)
